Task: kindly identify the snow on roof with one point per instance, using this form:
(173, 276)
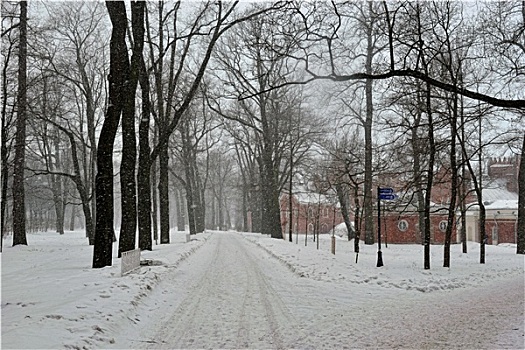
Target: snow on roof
(501, 165)
(497, 190)
(503, 204)
(313, 198)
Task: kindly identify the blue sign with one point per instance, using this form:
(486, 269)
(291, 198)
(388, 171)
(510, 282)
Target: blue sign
(386, 196)
(386, 190)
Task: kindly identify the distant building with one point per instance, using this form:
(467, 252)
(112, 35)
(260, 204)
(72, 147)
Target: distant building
(311, 213)
(505, 169)
(401, 225)
(499, 193)
(501, 222)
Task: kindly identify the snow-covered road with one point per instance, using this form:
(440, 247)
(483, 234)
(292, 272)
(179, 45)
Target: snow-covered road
(231, 293)
(232, 299)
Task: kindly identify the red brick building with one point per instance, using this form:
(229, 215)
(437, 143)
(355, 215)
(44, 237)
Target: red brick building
(311, 212)
(403, 228)
(500, 197)
(501, 222)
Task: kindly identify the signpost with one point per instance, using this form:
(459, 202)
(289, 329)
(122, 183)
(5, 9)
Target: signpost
(387, 194)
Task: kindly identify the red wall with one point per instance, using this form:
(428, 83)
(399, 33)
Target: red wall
(506, 231)
(300, 216)
(391, 233)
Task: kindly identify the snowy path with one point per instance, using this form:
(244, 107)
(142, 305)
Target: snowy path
(231, 304)
(233, 294)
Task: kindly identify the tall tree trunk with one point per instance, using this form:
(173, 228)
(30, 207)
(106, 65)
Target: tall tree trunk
(201, 204)
(144, 169)
(81, 187)
(189, 183)
(453, 182)
(368, 203)
(479, 192)
(357, 221)
(271, 214)
(463, 188)
(245, 207)
(430, 178)
(220, 209)
(128, 184)
(4, 152)
(417, 151)
(57, 184)
(91, 162)
(154, 199)
(191, 211)
(520, 249)
(432, 149)
(164, 201)
(290, 203)
(119, 65)
(19, 212)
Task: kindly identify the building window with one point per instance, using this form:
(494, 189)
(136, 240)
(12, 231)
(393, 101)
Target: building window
(443, 225)
(402, 225)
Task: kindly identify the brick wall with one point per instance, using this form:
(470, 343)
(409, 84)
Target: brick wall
(393, 230)
(506, 231)
(307, 216)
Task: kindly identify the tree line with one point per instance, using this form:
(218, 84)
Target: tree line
(202, 114)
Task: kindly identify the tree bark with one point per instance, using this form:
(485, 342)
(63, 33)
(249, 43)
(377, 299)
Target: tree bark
(368, 203)
(128, 184)
(164, 201)
(57, 186)
(520, 249)
(4, 141)
(119, 64)
(453, 182)
(144, 169)
(19, 212)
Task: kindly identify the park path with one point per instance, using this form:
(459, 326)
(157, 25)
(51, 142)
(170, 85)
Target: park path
(232, 294)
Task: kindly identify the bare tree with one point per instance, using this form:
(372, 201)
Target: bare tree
(503, 26)
(19, 210)
(9, 40)
(250, 64)
(119, 66)
(133, 69)
(75, 60)
(404, 59)
(205, 24)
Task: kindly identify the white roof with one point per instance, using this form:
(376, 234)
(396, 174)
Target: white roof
(311, 197)
(502, 204)
(496, 191)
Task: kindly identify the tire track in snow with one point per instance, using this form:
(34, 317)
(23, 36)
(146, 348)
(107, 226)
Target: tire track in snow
(232, 304)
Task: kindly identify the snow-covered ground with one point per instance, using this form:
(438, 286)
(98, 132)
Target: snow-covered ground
(232, 290)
